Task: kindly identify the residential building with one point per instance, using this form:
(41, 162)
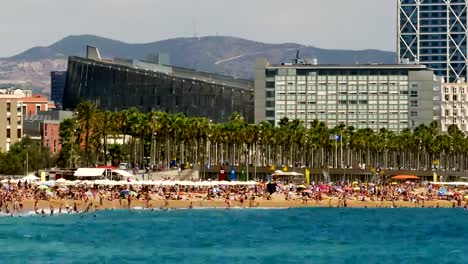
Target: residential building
(434, 33)
(454, 105)
(45, 127)
(117, 85)
(11, 121)
(57, 86)
(373, 96)
(34, 103)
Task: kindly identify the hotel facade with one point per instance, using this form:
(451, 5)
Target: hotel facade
(373, 96)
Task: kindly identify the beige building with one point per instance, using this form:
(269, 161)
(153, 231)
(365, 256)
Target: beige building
(454, 105)
(11, 121)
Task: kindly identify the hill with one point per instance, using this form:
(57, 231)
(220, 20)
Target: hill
(220, 54)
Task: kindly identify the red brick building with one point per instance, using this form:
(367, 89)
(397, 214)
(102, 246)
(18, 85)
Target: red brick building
(50, 135)
(35, 103)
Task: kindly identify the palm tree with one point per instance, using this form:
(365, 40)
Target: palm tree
(87, 117)
(104, 127)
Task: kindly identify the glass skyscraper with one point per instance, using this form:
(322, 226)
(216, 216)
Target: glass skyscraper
(434, 33)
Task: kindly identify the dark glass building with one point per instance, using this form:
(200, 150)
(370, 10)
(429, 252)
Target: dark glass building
(57, 86)
(116, 86)
(434, 33)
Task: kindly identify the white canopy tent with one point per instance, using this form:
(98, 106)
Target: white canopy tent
(89, 172)
(123, 173)
(450, 183)
(30, 178)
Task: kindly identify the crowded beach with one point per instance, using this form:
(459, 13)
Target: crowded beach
(30, 194)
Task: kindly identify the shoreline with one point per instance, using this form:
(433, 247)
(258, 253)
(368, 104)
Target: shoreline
(94, 205)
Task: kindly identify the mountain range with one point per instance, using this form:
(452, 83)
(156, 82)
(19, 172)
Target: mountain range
(220, 54)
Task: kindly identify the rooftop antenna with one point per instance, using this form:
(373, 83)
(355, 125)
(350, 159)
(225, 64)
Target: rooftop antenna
(296, 59)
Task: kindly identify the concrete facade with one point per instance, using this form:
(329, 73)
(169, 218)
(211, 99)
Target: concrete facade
(11, 121)
(454, 106)
(373, 96)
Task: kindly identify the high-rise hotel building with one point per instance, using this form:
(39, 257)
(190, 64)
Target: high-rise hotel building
(373, 96)
(434, 33)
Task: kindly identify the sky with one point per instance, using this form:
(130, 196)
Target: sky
(330, 24)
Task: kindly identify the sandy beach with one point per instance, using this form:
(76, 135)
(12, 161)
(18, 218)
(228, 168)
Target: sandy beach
(200, 203)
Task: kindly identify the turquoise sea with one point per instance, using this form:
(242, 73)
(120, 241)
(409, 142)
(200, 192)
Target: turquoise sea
(309, 235)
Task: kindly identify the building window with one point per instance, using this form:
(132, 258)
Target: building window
(18, 133)
(446, 97)
(270, 104)
(454, 89)
(270, 84)
(270, 113)
(454, 97)
(8, 107)
(414, 94)
(462, 90)
(38, 108)
(19, 121)
(8, 121)
(270, 94)
(8, 133)
(414, 103)
(46, 127)
(413, 113)
(24, 110)
(446, 90)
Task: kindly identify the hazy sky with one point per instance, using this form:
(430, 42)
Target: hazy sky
(345, 24)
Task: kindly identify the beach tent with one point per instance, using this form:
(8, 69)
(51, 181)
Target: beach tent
(123, 173)
(30, 177)
(89, 172)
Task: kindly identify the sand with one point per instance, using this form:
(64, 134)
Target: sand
(217, 203)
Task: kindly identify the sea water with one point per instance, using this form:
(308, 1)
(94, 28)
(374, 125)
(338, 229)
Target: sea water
(308, 235)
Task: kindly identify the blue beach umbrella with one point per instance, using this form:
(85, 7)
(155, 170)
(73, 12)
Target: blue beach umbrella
(233, 174)
(125, 193)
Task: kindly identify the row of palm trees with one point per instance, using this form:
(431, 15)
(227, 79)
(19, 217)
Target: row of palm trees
(160, 138)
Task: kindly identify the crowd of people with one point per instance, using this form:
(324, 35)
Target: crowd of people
(18, 197)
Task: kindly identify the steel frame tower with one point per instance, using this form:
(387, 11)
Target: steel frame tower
(434, 32)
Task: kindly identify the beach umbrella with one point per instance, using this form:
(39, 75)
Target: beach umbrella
(301, 187)
(357, 189)
(43, 187)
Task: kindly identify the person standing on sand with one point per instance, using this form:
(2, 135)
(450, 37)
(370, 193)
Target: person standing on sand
(129, 199)
(35, 207)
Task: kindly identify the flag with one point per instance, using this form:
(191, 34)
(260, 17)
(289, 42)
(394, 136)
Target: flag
(434, 177)
(233, 173)
(307, 176)
(222, 175)
(243, 176)
(326, 175)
